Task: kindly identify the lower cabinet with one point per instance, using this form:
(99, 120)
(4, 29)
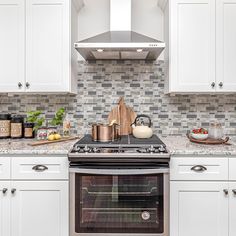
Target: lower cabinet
(34, 196)
(199, 208)
(39, 208)
(5, 208)
(232, 208)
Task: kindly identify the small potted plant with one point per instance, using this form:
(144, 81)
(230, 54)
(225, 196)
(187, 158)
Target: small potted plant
(57, 121)
(34, 121)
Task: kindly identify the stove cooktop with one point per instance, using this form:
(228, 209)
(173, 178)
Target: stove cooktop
(126, 149)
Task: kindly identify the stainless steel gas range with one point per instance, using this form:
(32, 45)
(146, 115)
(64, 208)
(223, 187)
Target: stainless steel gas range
(119, 188)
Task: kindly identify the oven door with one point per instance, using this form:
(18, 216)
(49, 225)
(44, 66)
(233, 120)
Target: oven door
(121, 201)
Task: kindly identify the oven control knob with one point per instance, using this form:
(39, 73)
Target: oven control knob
(151, 149)
(146, 215)
(162, 149)
(77, 149)
(87, 149)
(96, 150)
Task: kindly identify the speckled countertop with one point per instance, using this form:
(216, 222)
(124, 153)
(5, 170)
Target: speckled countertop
(21, 147)
(181, 146)
(177, 145)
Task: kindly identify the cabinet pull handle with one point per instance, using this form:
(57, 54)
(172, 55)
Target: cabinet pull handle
(20, 85)
(13, 191)
(199, 168)
(221, 84)
(27, 85)
(234, 191)
(4, 191)
(226, 191)
(213, 84)
(40, 168)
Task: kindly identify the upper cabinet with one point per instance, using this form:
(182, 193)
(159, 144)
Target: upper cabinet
(37, 51)
(201, 52)
(12, 45)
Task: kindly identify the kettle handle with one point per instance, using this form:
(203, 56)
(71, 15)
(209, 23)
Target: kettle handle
(145, 116)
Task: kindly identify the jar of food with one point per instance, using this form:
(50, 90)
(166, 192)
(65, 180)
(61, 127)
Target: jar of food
(216, 131)
(42, 133)
(28, 130)
(17, 127)
(5, 125)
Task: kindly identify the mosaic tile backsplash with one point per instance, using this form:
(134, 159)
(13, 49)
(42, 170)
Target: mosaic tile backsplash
(101, 83)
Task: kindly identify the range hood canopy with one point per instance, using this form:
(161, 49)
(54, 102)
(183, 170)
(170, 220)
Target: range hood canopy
(120, 43)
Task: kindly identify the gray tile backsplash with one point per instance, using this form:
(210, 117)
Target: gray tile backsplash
(101, 83)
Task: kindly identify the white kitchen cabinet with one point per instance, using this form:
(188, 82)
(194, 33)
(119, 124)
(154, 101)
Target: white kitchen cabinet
(35, 198)
(201, 51)
(190, 38)
(36, 44)
(232, 209)
(198, 208)
(5, 208)
(225, 45)
(12, 45)
(38, 208)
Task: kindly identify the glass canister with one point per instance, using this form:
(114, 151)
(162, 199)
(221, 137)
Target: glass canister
(216, 130)
(28, 130)
(5, 125)
(17, 127)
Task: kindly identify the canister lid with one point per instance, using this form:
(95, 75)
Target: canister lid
(17, 119)
(5, 117)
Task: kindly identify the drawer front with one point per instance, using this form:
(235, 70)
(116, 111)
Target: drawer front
(199, 169)
(232, 169)
(40, 168)
(5, 168)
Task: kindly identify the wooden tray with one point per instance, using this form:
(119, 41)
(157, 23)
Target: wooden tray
(209, 141)
(43, 142)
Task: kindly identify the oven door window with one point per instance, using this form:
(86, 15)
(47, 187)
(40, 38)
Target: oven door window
(119, 204)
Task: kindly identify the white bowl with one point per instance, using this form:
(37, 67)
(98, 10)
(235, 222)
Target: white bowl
(199, 136)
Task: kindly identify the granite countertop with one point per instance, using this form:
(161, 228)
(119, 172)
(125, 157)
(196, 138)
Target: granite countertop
(177, 145)
(21, 147)
(181, 146)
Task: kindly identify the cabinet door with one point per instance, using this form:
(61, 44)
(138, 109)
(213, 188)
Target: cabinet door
(192, 50)
(232, 209)
(47, 50)
(12, 45)
(4, 208)
(198, 208)
(226, 47)
(40, 208)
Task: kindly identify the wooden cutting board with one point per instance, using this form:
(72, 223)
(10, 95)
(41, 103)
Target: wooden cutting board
(124, 116)
(209, 141)
(43, 142)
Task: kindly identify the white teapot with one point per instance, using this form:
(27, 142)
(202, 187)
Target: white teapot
(142, 131)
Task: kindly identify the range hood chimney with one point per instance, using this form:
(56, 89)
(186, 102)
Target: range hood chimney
(120, 43)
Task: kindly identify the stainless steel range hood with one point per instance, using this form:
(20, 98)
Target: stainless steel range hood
(120, 43)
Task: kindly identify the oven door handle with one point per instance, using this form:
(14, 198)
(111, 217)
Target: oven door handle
(119, 171)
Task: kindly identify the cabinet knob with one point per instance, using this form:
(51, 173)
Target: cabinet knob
(13, 191)
(221, 85)
(40, 168)
(20, 85)
(226, 191)
(234, 191)
(213, 84)
(4, 191)
(27, 85)
(199, 168)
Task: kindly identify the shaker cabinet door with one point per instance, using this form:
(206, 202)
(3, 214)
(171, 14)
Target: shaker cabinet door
(192, 45)
(226, 46)
(47, 40)
(5, 208)
(232, 209)
(12, 45)
(40, 208)
(198, 208)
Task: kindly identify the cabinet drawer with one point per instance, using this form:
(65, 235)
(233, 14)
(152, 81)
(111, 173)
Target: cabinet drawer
(40, 168)
(5, 167)
(232, 169)
(199, 169)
